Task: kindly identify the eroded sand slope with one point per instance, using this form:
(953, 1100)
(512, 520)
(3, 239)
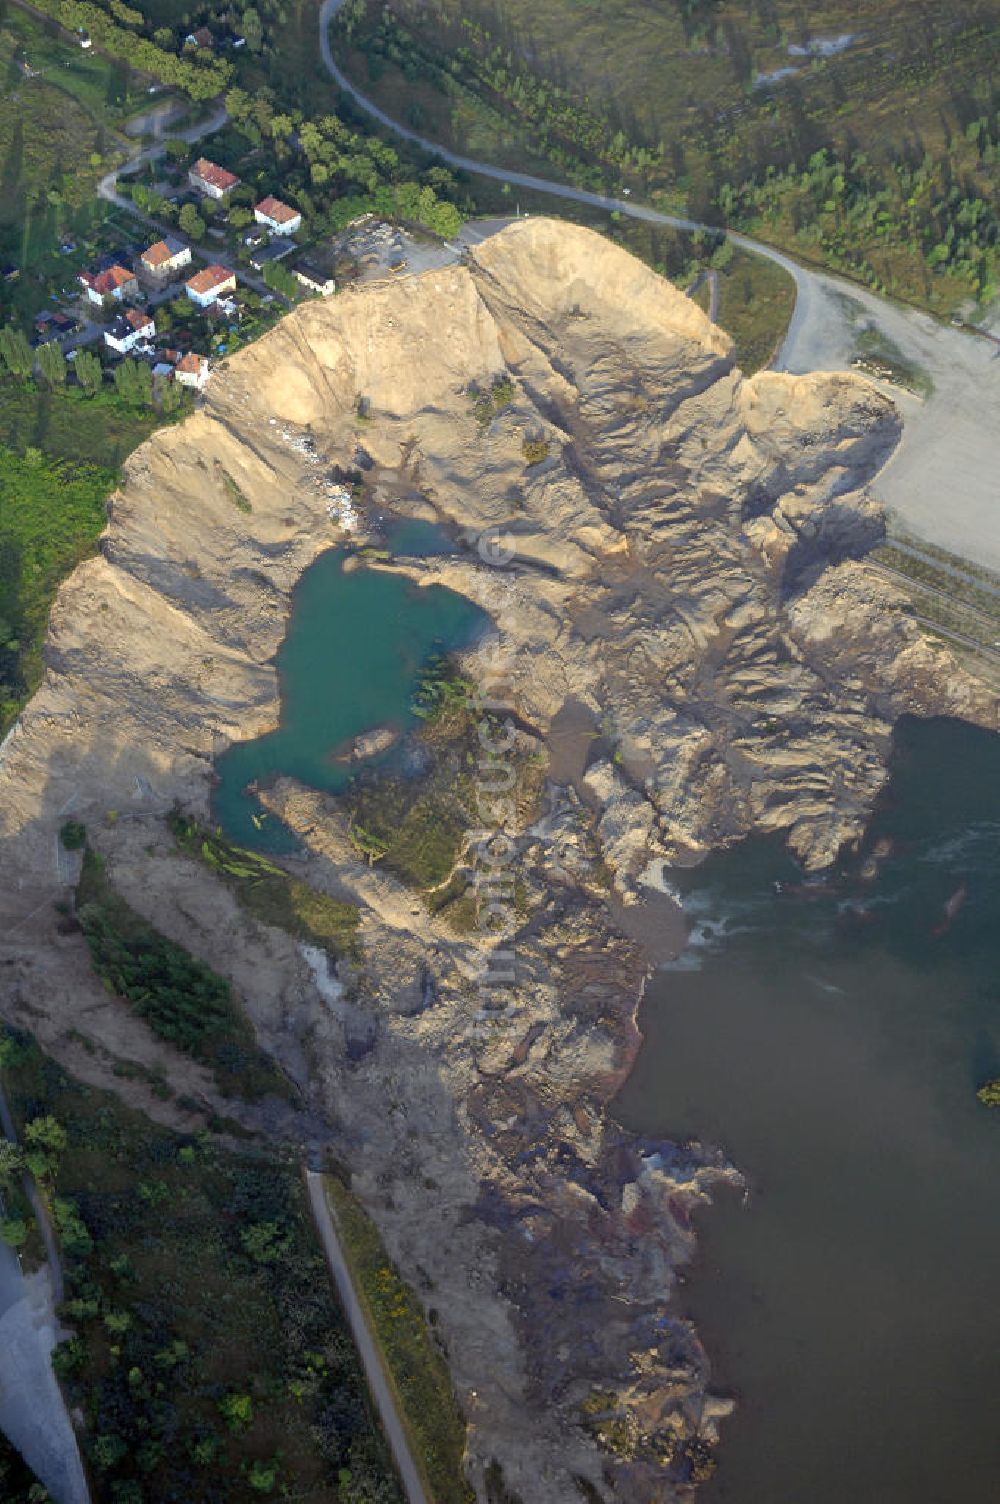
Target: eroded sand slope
(688, 573)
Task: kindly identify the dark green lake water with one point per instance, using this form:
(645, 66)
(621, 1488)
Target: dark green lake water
(830, 1037)
(355, 647)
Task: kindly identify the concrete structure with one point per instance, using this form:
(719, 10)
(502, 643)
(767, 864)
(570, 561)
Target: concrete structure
(207, 286)
(163, 260)
(278, 218)
(131, 328)
(210, 179)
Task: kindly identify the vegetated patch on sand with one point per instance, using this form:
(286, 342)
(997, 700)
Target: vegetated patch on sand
(182, 999)
(270, 893)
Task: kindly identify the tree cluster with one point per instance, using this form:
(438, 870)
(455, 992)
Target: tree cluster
(200, 81)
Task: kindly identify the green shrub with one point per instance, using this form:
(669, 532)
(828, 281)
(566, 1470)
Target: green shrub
(73, 835)
(535, 451)
(14, 1232)
(182, 999)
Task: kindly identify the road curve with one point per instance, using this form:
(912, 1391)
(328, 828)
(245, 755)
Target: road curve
(625, 206)
(378, 1382)
(950, 450)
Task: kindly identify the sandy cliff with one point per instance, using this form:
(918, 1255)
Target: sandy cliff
(687, 581)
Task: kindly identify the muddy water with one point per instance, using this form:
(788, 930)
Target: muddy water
(831, 1036)
(355, 647)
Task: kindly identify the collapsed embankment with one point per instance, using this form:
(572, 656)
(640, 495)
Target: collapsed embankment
(686, 567)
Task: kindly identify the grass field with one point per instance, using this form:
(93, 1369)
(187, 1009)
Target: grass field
(722, 109)
(56, 133)
(59, 455)
(51, 514)
(106, 87)
(209, 1359)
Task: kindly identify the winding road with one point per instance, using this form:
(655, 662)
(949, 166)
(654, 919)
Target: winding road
(942, 479)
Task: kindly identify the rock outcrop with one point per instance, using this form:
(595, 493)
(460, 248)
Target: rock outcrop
(670, 548)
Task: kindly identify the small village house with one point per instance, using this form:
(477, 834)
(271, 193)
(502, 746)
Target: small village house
(314, 277)
(276, 250)
(114, 282)
(51, 324)
(209, 285)
(162, 261)
(278, 218)
(202, 39)
(192, 370)
(210, 179)
(134, 327)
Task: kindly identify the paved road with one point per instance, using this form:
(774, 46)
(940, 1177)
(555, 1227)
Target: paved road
(942, 479)
(371, 1358)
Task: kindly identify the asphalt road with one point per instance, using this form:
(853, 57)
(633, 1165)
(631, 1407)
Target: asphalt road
(941, 482)
(381, 1391)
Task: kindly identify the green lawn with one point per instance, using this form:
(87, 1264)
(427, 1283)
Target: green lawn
(58, 462)
(106, 87)
(210, 1359)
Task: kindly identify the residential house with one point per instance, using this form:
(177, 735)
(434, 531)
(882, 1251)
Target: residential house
(192, 370)
(208, 286)
(210, 179)
(313, 276)
(51, 324)
(275, 251)
(134, 327)
(162, 261)
(278, 218)
(202, 38)
(112, 282)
